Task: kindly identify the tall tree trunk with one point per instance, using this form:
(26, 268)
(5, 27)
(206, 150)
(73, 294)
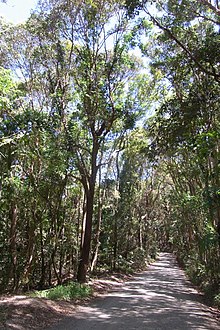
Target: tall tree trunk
(89, 193)
(99, 221)
(140, 232)
(85, 251)
(43, 266)
(97, 243)
(30, 249)
(13, 244)
(115, 239)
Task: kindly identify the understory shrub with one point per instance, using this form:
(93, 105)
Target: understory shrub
(217, 300)
(65, 292)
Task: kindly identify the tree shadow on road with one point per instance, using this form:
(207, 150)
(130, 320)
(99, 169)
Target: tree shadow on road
(159, 298)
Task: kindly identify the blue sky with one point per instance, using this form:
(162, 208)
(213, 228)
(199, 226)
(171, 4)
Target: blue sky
(17, 11)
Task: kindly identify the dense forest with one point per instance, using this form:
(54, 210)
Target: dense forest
(109, 140)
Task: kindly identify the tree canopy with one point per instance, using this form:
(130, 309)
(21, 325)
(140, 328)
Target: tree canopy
(109, 129)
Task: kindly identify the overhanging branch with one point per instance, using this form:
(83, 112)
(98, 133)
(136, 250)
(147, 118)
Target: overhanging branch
(207, 3)
(212, 73)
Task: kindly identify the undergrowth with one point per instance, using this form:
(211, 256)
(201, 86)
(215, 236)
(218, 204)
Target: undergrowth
(217, 300)
(65, 292)
(201, 276)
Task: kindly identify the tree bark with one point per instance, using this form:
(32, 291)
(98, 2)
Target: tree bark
(85, 251)
(13, 243)
(97, 243)
(89, 193)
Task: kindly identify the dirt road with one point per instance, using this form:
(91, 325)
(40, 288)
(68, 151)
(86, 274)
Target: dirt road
(159, 298)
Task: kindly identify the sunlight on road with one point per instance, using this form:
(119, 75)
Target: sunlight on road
(159, 298)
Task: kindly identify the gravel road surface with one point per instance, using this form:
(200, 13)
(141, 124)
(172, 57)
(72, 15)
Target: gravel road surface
(159, 298)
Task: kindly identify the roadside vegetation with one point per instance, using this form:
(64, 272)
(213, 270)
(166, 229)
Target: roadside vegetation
(65, 292)
(109, 143)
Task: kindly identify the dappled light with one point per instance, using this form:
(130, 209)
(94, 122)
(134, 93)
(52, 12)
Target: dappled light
(159, 298)
(109, 154)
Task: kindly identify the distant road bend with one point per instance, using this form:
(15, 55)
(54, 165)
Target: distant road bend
(159, 298)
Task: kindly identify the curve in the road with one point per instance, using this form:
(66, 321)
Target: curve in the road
(159, 298)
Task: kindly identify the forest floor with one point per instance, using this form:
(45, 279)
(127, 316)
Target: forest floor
(21, 312)
(159, 298)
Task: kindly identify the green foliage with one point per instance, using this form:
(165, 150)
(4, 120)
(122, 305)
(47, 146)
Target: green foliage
(134, 6)
(65, 292)
(184, 136)
(77, 111)
(217, 300)
(6, 83)
(138, 259)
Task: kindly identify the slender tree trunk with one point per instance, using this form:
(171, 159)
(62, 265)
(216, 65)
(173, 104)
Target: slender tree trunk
(13, 244)
(53, 261)
(99, 221)
(89, 191)
(30, 250)
(115, 247)
(140, 232)
(85, 251)
(97, 243)
(43, 266)
(83, 228)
